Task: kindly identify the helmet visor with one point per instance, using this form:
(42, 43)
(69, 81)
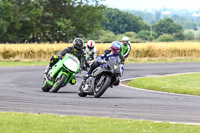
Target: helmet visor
(125, 42)
(90, 47)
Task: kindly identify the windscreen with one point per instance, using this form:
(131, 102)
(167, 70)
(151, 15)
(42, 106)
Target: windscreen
(115, 59)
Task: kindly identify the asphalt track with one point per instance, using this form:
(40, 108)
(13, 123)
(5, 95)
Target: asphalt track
(20, 91)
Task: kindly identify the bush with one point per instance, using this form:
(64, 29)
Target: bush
(146, 35)
(133, 37)
(166, 38)
(119, 37)
(179, 36)
(107, 37)
(189, 35)
(8, 54)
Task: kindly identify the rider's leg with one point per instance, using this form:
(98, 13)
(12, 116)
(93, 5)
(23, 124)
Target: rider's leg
(92, 67)
(47, 69)
(53, 61)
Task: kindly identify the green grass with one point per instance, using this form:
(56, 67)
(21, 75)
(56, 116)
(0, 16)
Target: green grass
(42, 63)
(34, 123)
(184, 83)
(22, 63)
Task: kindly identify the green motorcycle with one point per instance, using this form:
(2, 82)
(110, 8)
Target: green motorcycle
(62, 72)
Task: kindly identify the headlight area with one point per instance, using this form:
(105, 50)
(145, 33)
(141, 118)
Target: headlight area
(71, 65)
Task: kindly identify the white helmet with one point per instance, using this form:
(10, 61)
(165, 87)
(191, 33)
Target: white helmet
(90, 44)
(125, 38)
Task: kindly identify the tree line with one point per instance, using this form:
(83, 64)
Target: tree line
(48, 20)
(188, 19)
(120, 23)
(39, 21)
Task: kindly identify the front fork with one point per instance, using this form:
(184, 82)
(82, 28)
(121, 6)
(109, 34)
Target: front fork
(101, 80)
(69, 75)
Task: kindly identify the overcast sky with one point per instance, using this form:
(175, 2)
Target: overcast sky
(153, 4)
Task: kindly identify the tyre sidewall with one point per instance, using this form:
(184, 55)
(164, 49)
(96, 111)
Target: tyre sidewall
(45, 87)
(104, 87)
(62, 80)
(80, 91)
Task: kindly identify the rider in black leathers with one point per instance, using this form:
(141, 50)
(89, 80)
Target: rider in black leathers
(75, 50)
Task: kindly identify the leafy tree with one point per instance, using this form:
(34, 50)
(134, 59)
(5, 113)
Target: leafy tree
(87, 18)
(65, 29)
(197, 35)
(6, 17)
(167, 26)
(49, 20)
(166, 38)
(131, 35)
(107, 37)
(119, 37)
(179, 36)
(189, 35)
(121, 22)
(3, 27)
(147, 35)
(23, 21)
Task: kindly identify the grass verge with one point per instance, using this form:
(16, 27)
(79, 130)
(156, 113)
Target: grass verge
(23, 63)
(184, 83)
(142, 60)
(34, 123)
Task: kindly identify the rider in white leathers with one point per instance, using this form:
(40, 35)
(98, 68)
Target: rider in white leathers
(91, 53)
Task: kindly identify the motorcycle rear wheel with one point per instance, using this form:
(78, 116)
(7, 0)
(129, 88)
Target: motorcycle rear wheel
(80, 91)
(45, 86)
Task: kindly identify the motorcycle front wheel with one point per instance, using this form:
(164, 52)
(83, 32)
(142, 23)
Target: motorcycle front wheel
(58, 84)
(98, 91)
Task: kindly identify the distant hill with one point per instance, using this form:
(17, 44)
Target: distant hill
(189, 19)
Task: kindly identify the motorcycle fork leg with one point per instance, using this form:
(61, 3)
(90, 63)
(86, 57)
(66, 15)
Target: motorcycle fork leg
(101, 79)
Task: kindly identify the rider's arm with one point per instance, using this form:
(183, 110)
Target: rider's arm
(105, 53)
(128, 51)
(82, 60)
(84, 46)
(62, 53)
(122, 59)
(95, 53)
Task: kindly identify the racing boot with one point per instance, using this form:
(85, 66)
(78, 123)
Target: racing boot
(87, 75)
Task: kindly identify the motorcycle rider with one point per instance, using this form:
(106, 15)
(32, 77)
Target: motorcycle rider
(91, 53)
(115, 50)
(75, 50)
(126, 46)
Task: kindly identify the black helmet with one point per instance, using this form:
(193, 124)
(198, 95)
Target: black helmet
(78, 43)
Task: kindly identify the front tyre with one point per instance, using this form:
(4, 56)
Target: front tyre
(58, 84)
(45, 86)
(103, 87)
(80, 91)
